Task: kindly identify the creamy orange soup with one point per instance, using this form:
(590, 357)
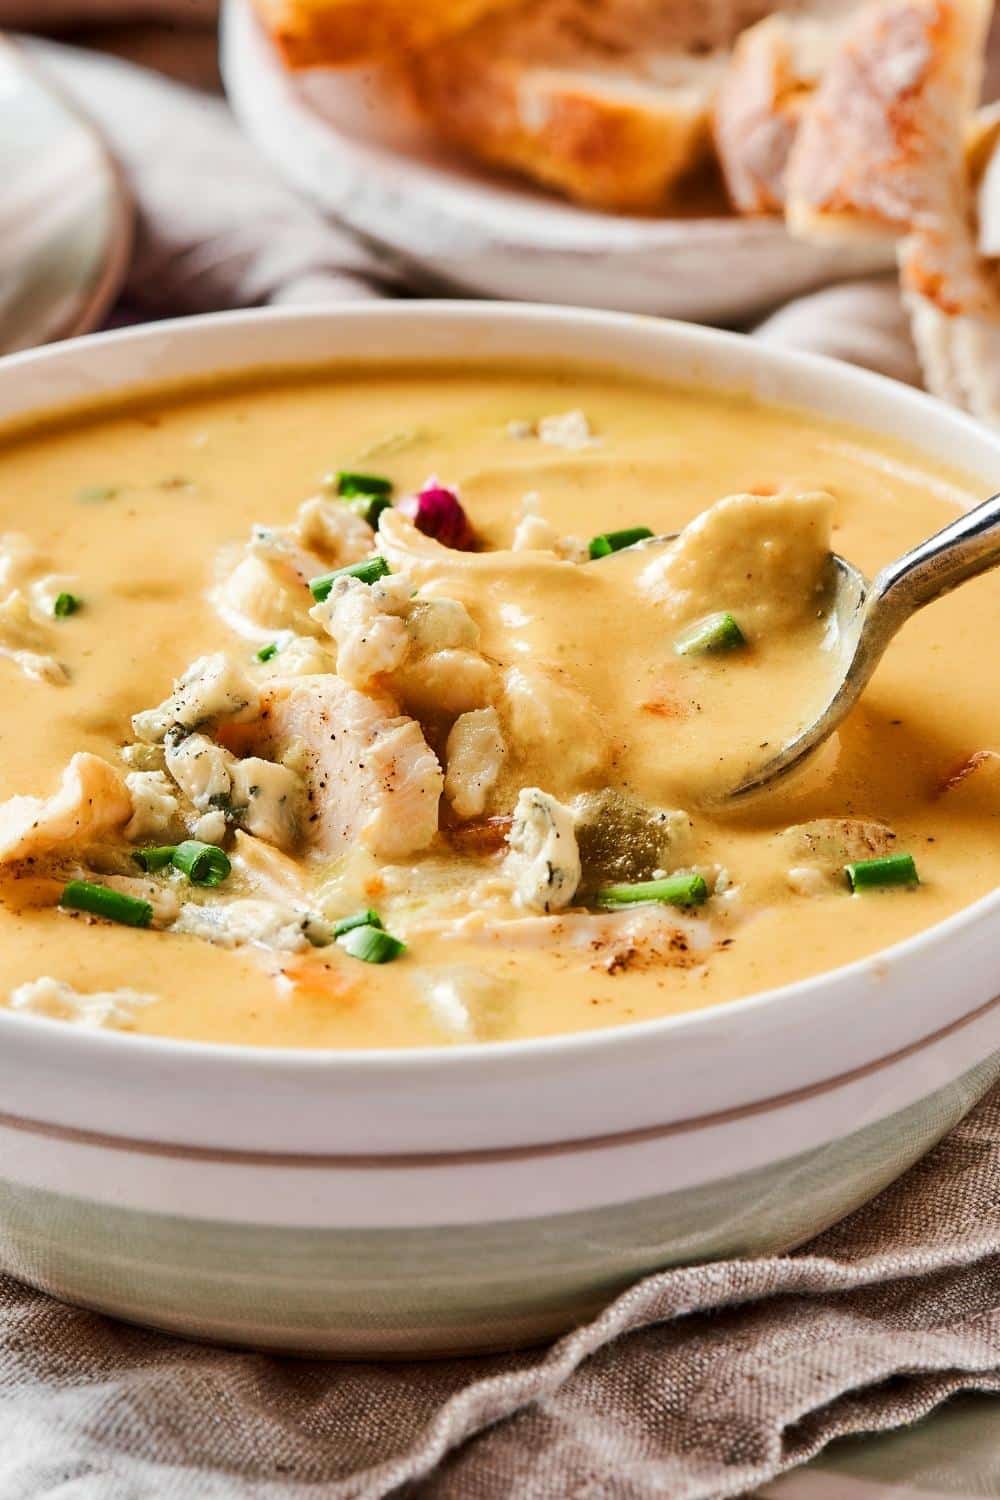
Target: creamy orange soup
(503, 759)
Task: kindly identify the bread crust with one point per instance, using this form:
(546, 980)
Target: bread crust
(339, 33)
(880, 147)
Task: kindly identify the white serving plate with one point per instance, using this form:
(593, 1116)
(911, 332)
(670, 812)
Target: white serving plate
(334, 136)
(65, 216)
(474, 1196)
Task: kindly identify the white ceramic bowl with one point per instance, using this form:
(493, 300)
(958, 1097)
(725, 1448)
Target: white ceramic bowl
(473, 1197)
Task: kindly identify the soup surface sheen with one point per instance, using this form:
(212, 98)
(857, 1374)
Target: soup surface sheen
(380, 756)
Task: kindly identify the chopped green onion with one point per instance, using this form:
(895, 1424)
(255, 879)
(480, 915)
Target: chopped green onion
(203, 864)
(370, 507)
(349, 484)
(617, 541)
(369, 571)
(675, 890)
(267, 652)
(718, 632)
(91, 493)
(66, 605)
(102, 901)
(372, 945)
(890, 869)
(360, 919)
(152, 860)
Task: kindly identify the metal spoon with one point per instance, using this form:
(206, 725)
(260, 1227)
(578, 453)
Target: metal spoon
(867, 616)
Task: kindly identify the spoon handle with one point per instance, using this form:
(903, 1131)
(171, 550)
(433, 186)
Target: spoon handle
(969, 545)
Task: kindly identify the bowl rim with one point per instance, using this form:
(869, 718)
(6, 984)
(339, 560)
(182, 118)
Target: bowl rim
(69, 1040)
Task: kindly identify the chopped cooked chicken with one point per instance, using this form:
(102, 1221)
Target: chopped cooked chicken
(765, 555)
(28, 642)
(421, 648)
(368, 624)
(262, 586)
(92, 803)
(474, 758)
(370, 776)
(213, 688)
(544, 859)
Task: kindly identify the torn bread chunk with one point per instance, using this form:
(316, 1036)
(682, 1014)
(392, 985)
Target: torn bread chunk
(767, 84)
(369, 774)
(539, 92)
(92, 803)
(474, 758)
(543, 858)
(881, 146)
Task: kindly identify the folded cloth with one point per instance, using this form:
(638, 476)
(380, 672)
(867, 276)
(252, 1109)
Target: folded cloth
(695, 1384)
(699, 1382)
(215, 227)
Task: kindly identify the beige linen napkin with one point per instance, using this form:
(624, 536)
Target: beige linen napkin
(701, 1382)
(695, 1384)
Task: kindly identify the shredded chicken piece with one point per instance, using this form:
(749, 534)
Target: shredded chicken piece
(92, 803)
(370, 776)
(474, 758)
(27, 642)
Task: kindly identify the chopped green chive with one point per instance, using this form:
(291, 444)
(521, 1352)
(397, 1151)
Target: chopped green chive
(102, 901)
(369, 571)
(371, 944)
(360, 919)
(617, 541)
(675, 890)
(718, 632)
(152, 860)
(203, 864)
(370, 507)
(267, 652)
(90, 494)
(66, 605)
(890, 869)
(348, 484)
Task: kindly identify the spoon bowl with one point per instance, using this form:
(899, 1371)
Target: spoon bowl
(864, 618)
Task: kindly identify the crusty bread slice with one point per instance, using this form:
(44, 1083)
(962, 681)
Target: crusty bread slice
(607, 101)
(775, 67)
(334, 33)
(951, 284)
(881, 146)
(600, 135)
